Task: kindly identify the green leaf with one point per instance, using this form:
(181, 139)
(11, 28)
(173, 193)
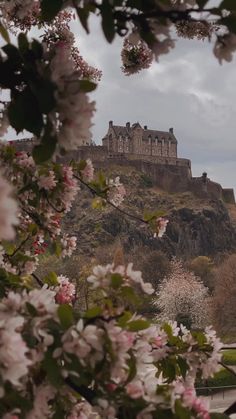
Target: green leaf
(137, 325)
(93, 312)
(183, 366)
(31, 309)
(228, 4)
(51, 279)
(52, 369)
(218, 416)
(83, 17)
(23, 43)
(181, 411)
(12, 52)
(116, 281)
(87, 85)
(200, 337)
(108, 24)
(202, 3)
(4, 33)
(24, 113)
(124, 319)
(50, 8)
(44, 151)
(37, 49)
(230, 22)
(132, 368)
(44, 91)
(65, 314)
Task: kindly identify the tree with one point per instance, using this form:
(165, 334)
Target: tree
(154, 264)
(224, 297)
(58, 359)
(183, 297)
(202, 267)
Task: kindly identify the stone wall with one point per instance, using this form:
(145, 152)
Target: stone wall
(169, 173)
(211, 189)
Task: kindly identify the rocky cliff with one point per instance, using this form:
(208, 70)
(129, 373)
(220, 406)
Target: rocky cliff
(197, 226)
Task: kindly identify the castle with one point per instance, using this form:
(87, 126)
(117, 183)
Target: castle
(151, 152)
(133, 139)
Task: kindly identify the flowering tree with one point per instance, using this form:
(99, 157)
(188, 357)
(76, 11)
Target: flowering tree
(182, 296)
(57, 360)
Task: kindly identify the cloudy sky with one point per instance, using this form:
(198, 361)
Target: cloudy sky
(187, 90)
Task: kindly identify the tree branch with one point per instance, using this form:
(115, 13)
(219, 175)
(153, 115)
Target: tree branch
(19, 247)
(84, 391)
(227, 368)
(94, 192)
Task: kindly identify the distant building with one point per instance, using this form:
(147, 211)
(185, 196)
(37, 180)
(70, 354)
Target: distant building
(133, 139)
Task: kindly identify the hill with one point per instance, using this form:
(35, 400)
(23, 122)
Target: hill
(197, 226)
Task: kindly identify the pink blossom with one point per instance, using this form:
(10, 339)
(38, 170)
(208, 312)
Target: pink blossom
(47, 182)
(116, 191)
(68, 245)
(42, 407)
(161, 227)
(136, 55)
(135, 389)
(74, 109)
(8, 211)
(65, 293)
(88, 171)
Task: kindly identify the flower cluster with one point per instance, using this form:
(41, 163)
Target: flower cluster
(118, 354)
(135, 56)
(116, 191)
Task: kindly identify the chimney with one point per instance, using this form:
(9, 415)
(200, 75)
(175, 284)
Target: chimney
(145, 126)
(110, 124)
(171, 130)
(128, 125)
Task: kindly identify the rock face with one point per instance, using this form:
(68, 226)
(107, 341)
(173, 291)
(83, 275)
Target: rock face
(203, 232)
(196, 226)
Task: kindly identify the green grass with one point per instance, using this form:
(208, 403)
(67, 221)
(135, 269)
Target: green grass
(229, 357)
(223, 378)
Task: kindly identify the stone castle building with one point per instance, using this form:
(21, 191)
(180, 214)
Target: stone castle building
(151, 152)
(133, 139)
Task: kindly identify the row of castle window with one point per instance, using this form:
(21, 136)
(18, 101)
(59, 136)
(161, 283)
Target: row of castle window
(156, 142)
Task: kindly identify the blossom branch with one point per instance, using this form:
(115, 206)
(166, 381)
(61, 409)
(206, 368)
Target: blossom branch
(94, 192)
(20, 246)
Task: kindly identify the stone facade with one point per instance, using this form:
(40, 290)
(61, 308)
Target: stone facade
(133, 139)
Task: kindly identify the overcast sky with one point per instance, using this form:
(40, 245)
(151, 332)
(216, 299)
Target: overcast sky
(187, 90)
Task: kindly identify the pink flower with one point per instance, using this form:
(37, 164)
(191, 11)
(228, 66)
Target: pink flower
(47, 182)
(135, 389)
(8, 211)
(68, 245)
(88, 171)
(161, 227)
(136, 55)
(65, 292)
(116, 191)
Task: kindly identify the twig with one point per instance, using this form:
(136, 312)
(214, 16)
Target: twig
(227, 368)
(52, 206)
(94, 192)
(85, 392)
(39, 281)
(19, 247)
